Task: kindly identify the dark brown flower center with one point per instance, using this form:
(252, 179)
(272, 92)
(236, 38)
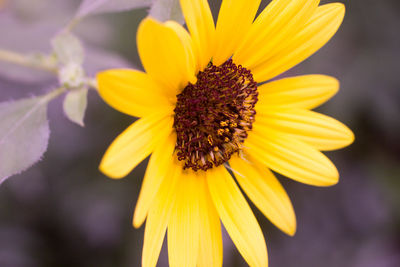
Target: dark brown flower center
(212, 117)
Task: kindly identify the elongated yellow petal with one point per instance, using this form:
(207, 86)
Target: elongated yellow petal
(290, 157)
(200, 22)
(308, 91)
(320, 131)
(186, 41)
(158, 218)
(315, 34)
(135, 144)
(156, 172)
(210, 254)
(234, 20)
(280, 20)
(156, 227)
(164, 55)
(132, 92)
(266, 192)
(159, 215)
(237, 217)
(184, 223)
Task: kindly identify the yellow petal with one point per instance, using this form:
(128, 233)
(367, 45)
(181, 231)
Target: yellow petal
(315, 34)
(130, 91)
(234, 20)
(156, 172)
(308, 91)
(320, 131)
(184, 223)
(135, 144)
(237, 217)
(266, 192)
(280, 20)
(158, 218)
(290, 157)
(186, 41)
(200, 22)
(164, 56)
(210, 254)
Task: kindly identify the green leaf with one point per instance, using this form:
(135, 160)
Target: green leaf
(91, 7)
(68, 48)
(164, 10)
(75, 105)
(24, 134)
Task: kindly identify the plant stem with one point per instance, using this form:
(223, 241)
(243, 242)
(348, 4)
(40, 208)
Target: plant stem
(53, 94)
(26, 61)
(92, 83)
(30, 62)
(72, 24)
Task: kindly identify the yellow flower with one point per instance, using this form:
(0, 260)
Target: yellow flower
(203, 109)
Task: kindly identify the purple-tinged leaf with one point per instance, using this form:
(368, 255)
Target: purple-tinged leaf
(24, 134)
(91, 7)
(75, 104)
(68, 48)
(164, 10)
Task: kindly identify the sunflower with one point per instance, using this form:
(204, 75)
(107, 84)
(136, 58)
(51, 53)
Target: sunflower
(209, 112)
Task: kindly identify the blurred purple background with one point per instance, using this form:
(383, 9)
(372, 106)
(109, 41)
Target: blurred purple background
(64, 212)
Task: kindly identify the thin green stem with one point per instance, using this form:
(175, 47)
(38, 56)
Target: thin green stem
(92, 83)
(53, 94)
(72, 24)
(42, 64)
(26, 61)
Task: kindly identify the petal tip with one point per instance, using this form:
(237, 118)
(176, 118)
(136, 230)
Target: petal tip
(136, 222)
(293, 226)
(146, 22)
(150, 19)
(339, 9)
(347, 136)
(331, 181)
(290, 228)
(330, 84)
(335, 84)
(109, 173)
(351, 137)
(330, 176)
(291, 231)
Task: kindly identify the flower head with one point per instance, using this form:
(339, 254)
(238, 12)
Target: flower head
(205, 106)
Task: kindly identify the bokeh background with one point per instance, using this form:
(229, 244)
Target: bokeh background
(64, 212)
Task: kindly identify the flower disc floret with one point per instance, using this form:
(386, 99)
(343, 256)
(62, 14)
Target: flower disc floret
(213, 116)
